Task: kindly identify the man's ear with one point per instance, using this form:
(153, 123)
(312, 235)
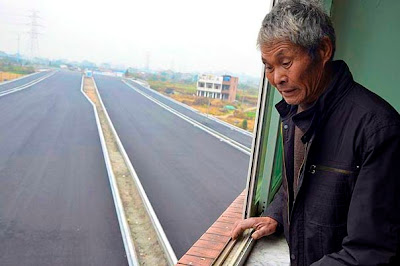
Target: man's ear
(325, 49)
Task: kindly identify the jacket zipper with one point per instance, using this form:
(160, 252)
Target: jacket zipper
(314, 168)
(284, 169)
(306, 150)
(301, 166)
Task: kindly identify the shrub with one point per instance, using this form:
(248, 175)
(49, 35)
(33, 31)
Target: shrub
(244, 124)
(201, 101)
(251, 115)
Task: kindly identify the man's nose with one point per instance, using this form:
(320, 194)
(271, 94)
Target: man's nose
(280, 77)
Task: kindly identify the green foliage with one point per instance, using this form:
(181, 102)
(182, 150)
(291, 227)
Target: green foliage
(8, 65)
(244, 124)
(17, 69)
(247, 90)
(177, 86)
(251, 114)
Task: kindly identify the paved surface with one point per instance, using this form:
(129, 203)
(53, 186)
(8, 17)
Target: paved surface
(238, 136)
(56, 206)
(189, 176)
(19, 82)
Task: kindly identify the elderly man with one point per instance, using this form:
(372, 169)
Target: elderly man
(339, 202)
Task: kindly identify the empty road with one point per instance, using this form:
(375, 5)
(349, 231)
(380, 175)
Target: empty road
(189, 176)
(56, 206)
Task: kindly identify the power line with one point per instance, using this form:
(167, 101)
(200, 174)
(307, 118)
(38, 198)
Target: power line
(34, 33)
(32, 29)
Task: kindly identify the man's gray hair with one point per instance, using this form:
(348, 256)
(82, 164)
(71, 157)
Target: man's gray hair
(302, 22)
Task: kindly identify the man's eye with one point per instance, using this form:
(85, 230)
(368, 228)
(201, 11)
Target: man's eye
(286, 64)
(268, 68)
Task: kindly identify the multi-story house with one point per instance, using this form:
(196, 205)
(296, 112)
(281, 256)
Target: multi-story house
(217, 87)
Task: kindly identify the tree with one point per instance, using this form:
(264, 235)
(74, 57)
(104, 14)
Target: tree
(244, 124)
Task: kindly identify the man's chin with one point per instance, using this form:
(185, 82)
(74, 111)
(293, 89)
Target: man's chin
(291, 97)
(291, 101)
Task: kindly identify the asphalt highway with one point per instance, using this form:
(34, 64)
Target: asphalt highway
(189, 176)
(22, 81)
(223, 129)
(56, 206)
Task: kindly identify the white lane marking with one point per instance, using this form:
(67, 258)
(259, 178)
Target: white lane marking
(172, 259)
(210, 131)
(123, 224)
(232, 127)
(27, 85)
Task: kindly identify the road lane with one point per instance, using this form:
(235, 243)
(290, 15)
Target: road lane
(22, 81)
(221, 128)
(56, 206)
(189, 176)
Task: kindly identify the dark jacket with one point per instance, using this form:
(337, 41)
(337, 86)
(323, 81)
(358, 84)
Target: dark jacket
(346, 210)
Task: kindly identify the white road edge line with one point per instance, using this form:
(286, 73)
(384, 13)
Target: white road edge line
(125, 231)
(172, 259)
(210, 131)
(27, 85)
(232, 127)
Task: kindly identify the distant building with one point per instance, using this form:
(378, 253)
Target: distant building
(217, 87)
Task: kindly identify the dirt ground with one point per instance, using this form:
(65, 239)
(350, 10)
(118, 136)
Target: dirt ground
(184, 94)
(148, 249)
(216, 109)
(8, 76)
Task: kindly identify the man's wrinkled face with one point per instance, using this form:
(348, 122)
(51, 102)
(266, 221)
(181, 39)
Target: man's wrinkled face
(291, 70)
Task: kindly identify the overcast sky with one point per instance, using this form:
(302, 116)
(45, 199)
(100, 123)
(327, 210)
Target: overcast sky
(207, 35)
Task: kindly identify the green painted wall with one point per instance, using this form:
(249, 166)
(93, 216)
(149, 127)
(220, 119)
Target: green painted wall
(368, 39)
(327, 6)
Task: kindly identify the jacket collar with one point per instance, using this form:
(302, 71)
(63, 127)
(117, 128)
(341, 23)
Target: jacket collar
(312, 118)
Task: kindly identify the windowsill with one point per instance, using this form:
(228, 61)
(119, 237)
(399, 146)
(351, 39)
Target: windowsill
(270, 250)
(215, 247)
